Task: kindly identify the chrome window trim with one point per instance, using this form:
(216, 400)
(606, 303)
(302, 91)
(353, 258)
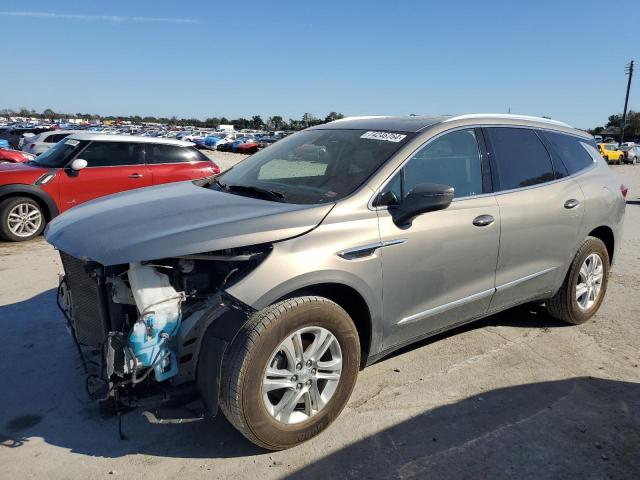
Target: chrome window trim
(377, 191)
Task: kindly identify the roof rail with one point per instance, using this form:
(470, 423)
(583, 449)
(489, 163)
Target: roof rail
(509, 116)
(361, 117)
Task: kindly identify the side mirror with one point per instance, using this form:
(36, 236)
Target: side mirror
(423, 198)
(78, 164)
(74, 169)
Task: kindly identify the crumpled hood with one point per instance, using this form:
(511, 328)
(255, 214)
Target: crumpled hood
(175, 219)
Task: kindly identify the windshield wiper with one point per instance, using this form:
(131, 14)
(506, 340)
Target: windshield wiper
(223, 186)
(272, 194)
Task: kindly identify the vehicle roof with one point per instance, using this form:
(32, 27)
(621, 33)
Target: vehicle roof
(413, 123)
(417, 123)
(127, 138)
(59, 131)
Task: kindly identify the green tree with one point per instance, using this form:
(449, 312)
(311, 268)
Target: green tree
(333, 116)
(276, 123)
(257, 123)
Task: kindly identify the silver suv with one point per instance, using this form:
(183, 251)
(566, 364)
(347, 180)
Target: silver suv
(264, 290)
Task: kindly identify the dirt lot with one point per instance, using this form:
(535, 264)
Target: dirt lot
(516, 395)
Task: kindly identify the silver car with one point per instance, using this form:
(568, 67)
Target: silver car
(42, 142)
(266, 289)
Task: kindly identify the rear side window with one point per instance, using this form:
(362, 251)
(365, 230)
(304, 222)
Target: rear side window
(520, 157)
(110, 154)
(56, 138)
(572, 151)
(158, 153)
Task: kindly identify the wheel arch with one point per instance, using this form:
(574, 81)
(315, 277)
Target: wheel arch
(605, 234)
(354, 304)
(44, 200)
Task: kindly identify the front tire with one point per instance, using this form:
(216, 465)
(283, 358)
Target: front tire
(21, 219)
(585, 285)
(290, 371)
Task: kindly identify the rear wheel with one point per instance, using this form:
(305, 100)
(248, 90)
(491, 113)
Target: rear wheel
(585, 285)
(290, 371)
(21, 219)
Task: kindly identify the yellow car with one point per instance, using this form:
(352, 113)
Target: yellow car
(611, 153)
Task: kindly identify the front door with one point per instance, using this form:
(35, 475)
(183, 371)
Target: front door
(440, 271)
(111, 167)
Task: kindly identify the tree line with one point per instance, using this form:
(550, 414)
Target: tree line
(256, 122)
(631, 129)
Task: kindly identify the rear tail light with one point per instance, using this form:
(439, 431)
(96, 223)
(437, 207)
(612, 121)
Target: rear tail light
(624, 190)
(215, 167)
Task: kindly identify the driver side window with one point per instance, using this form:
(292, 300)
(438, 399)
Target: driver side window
(452, 159)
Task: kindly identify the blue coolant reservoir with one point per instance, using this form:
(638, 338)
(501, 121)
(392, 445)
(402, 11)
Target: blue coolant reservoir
(159, 308)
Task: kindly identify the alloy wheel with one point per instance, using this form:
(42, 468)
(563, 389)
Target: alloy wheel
(24, 220)
(589, 281)
(302, 375)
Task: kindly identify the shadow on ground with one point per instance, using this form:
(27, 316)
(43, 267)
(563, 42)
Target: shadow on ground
(578, 428)
(549, 429)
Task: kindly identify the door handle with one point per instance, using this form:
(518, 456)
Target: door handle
(483, 220)
(136, 175)
(572, 203)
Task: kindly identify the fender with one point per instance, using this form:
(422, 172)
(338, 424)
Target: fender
(202, 342)
(32, 191)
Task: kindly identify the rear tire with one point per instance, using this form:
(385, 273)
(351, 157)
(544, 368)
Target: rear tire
(21, 219)
(249, 397)
(568, 304)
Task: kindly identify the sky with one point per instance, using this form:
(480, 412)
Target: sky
(563, 58)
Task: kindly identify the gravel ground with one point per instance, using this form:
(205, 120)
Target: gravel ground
(517, 395)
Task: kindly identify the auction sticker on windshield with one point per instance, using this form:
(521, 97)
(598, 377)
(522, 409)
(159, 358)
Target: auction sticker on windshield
(73, 143)
(388, 136)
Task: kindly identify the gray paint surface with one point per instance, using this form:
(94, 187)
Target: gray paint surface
(175, 219)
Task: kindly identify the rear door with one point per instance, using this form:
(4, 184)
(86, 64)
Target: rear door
(173, 163)
(541, 210)
(111, 167)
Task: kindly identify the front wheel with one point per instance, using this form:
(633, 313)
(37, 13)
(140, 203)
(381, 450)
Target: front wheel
(585, 285)
(290, 371)
(21, 219)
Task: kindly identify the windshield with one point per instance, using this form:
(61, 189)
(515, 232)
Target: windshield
(59, 155)
(313, 166)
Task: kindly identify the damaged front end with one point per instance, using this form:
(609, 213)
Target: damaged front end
(148, 332)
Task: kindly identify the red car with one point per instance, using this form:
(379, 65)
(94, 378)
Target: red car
(250, 147)
(86, 166)
(9, 155)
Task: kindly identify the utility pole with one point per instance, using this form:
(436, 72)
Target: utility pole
(629, 72)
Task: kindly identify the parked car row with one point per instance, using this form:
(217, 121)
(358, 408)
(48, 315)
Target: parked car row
(84, 166)
(36, 139)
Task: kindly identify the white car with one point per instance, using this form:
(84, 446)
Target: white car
(195, 135)
(42, 142)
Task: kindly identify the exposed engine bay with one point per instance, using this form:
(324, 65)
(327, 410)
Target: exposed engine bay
(139, 326)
